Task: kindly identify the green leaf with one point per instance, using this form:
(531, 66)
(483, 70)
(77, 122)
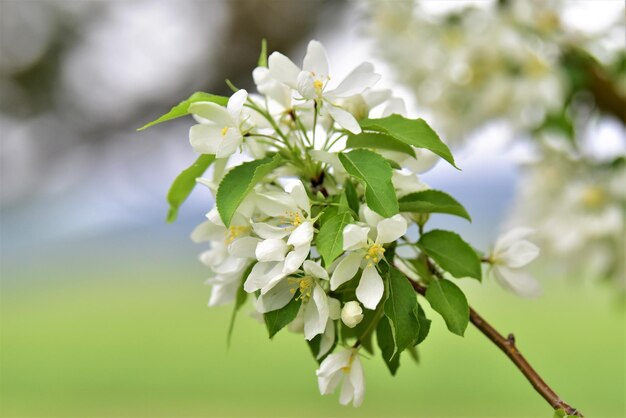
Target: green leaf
(263, 56)
(351, 196)
(330, 238)
(238, 182)
(415, 132)
(278, 319)
(449, 301)
(451, 253)
(182, 108)
(432, 201)
(378, 141)
(424, 325)
(375, 173)
(401, 310)
(184, 184)
(384, 337)
(240, 299)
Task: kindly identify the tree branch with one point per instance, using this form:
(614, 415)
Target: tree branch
(507, 345)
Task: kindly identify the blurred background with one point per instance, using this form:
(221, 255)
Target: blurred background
(103, 311)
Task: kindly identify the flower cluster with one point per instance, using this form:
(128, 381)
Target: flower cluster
(475, 64)
(584, 232)
(324, 227)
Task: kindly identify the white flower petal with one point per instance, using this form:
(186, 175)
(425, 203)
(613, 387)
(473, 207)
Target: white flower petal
(212, 112)
(274, 276)
(267, 231)
(236, 102)
(271, 250)
(347, 392)
(230, 265)
(343, 118)
(517, 281)
(390, 229)
(313, 269)
(371, 288)
(316, 60)
(345, 270)
(520, 253)
(277, 297)
(315, 314)
(223, 294)
(369, 216)
(357, 378)
(330, 366)
(328, 338)
(227, 144)
(302, 235)
(510, 237)
(395, 105)
(243, 247)
(356, 82)
(298, 193)
(207, 231)
(295, 258)
(214, 216)
(259, 276)
(283, 69)
(354, 237)
(204, 139)
(275, 204)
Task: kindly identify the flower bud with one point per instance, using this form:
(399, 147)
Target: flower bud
(352, 314)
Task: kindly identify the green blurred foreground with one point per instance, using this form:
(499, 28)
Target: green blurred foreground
(124, 339)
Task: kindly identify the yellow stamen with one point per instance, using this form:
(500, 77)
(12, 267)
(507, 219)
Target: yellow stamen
(224, 130)
(295, 218)
(318, 85)
(234, 231)
(305, 285)
(374, 254)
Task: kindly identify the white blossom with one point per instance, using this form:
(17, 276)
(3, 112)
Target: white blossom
(221, 129)
(512, 252)
(363, 251)
(311, 82)
(351, 314)
(346, 366)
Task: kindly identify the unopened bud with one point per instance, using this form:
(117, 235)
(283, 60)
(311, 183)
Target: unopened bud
(352, 314)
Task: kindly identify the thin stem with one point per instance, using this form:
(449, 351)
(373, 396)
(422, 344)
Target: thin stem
(507, 345)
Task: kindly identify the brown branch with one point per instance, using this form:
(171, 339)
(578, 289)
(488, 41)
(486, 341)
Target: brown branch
(507, 345)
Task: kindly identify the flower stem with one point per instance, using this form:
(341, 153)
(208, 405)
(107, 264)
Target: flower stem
(508, 346)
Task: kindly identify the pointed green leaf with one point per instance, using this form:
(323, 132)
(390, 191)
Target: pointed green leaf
(375, 173)
(449, 301)
(240, 299)
(424, 325)
(238, 182)
(330, 237)
(378, 140)
(414, 132)
(401, 310)
(278, 319)
(451, 253)
(351, 196)
(185, 182)
(432, 201)
(182, 108)
(387, 346)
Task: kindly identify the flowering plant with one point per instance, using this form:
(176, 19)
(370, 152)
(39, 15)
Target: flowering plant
(324, 227)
